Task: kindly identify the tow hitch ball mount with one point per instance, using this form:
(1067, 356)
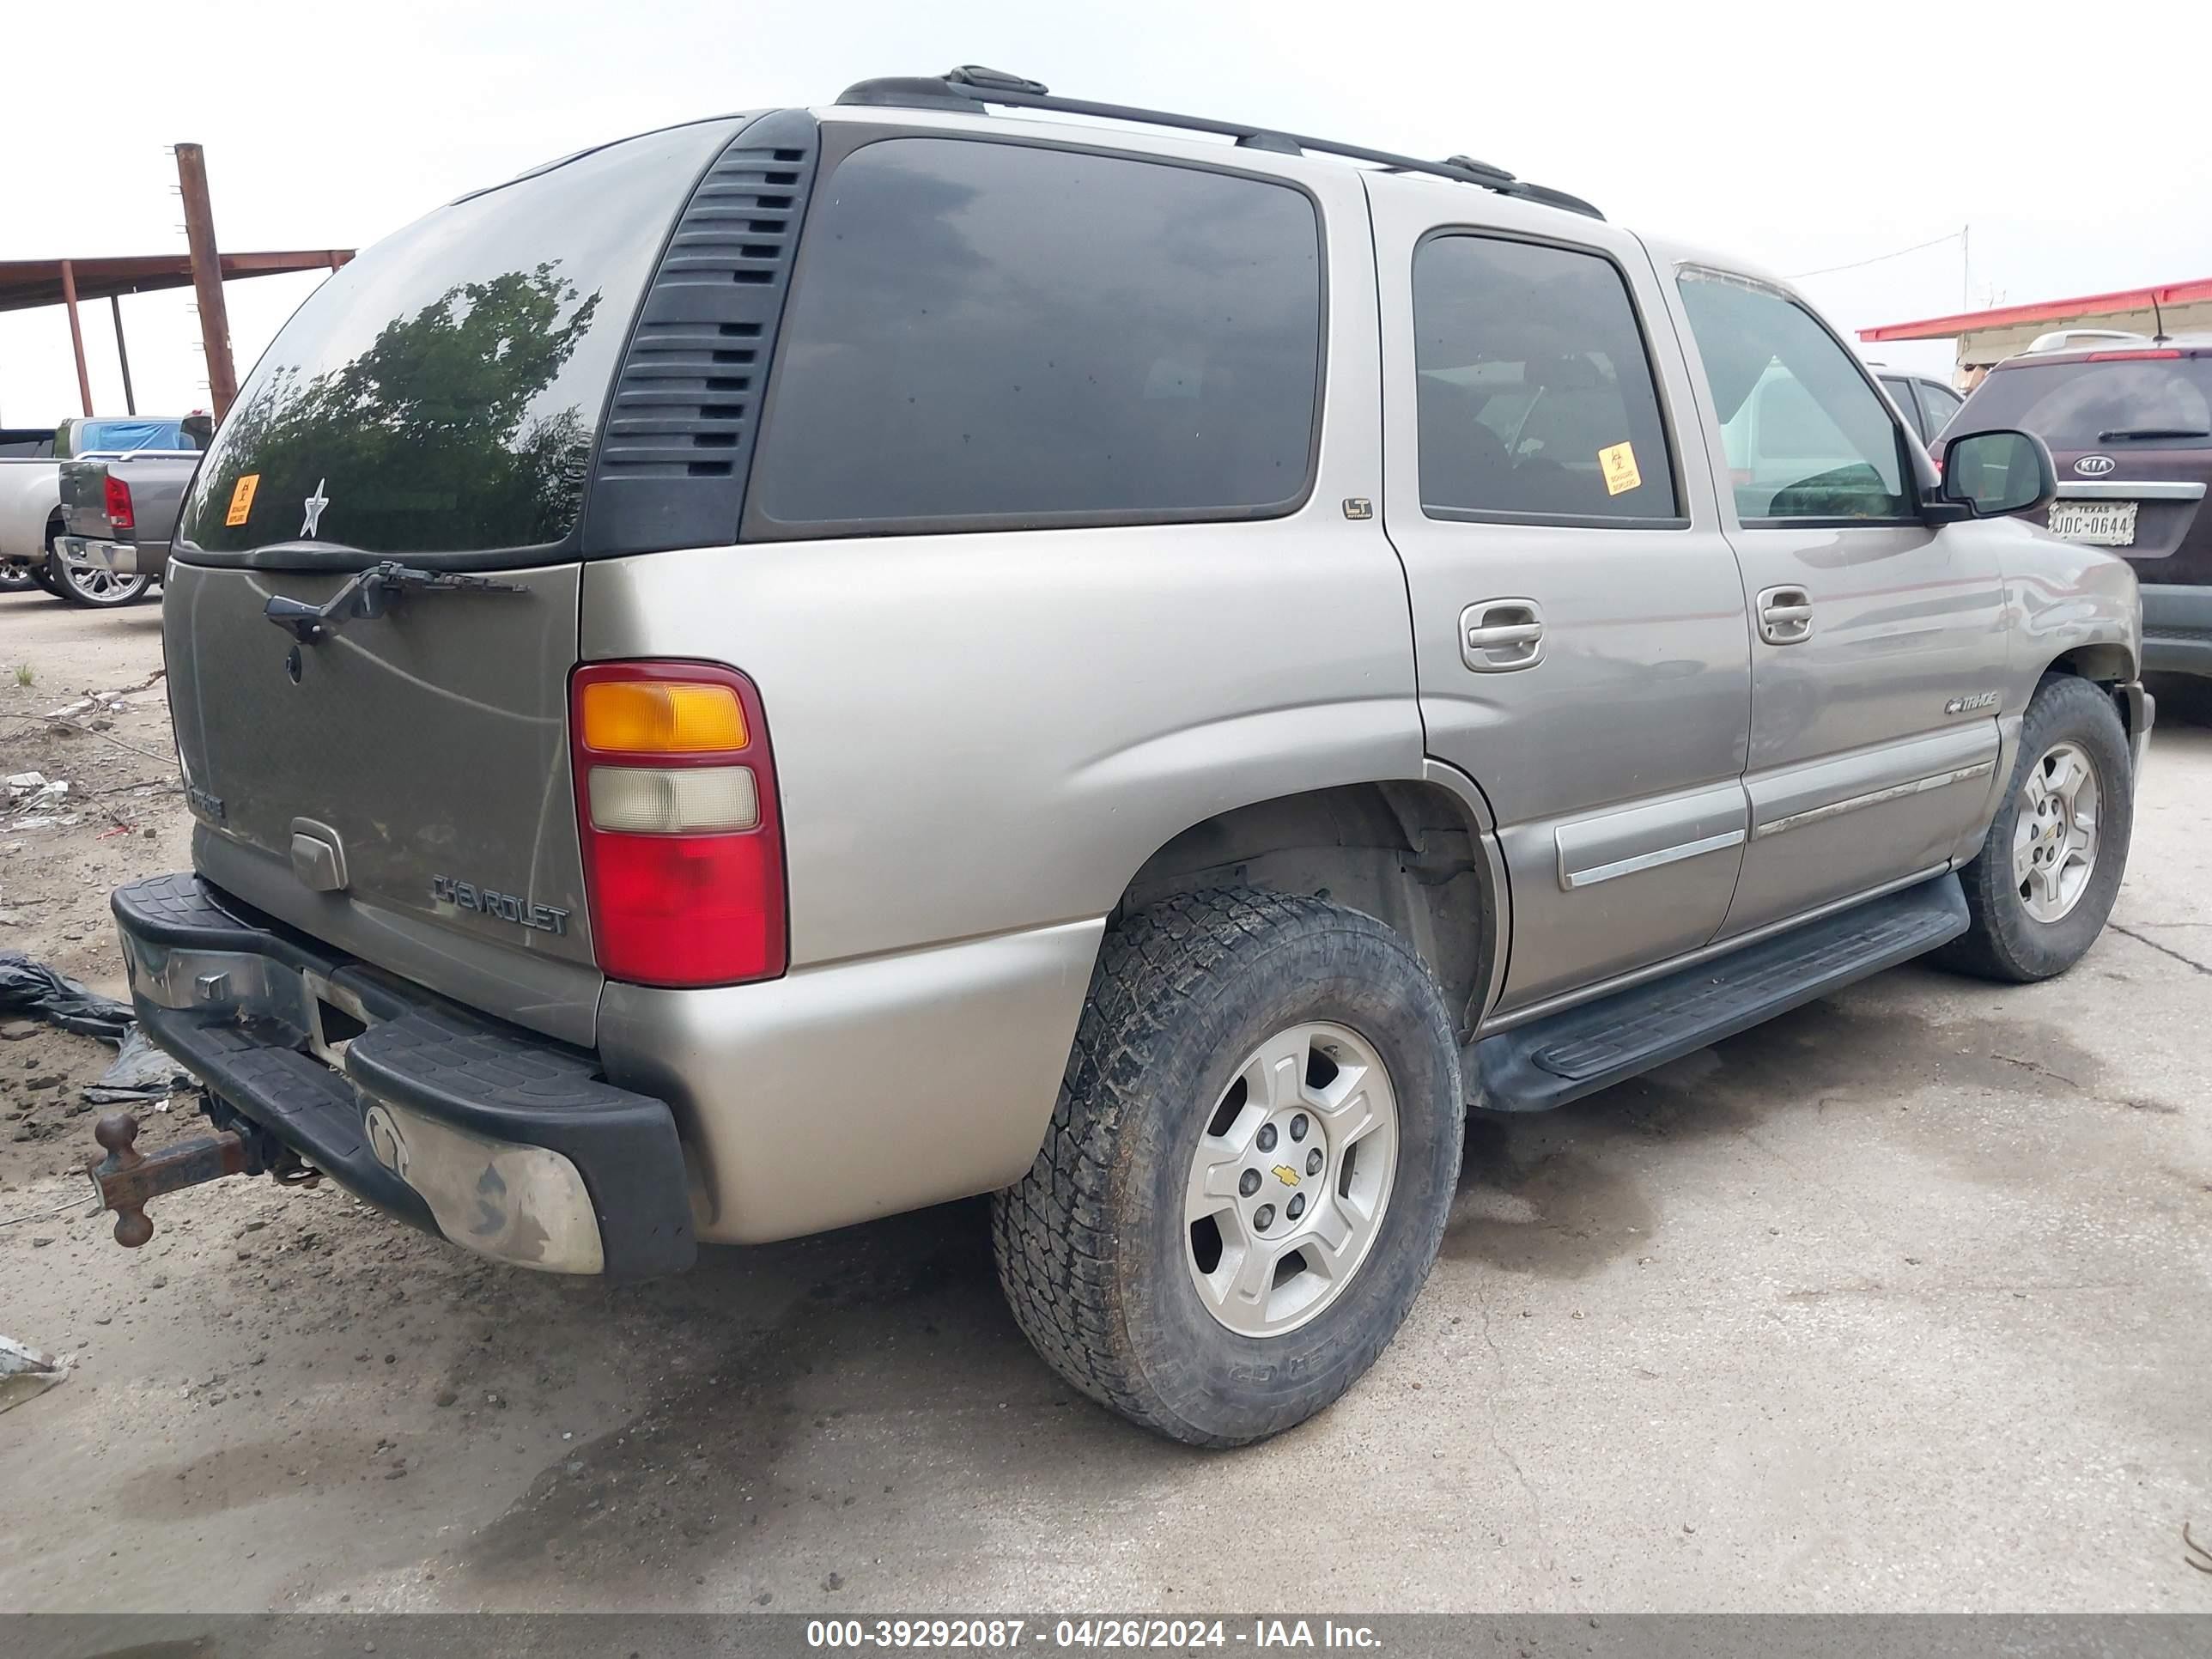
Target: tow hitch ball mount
(127, 1178)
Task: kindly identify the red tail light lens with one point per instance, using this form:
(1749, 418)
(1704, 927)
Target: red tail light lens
(119, 505)
(676, 803)
(2128, 357)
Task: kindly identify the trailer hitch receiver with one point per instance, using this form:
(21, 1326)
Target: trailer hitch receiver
(126, 1178)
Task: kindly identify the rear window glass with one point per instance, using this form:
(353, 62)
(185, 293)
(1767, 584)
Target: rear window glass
(1536, 397)
(991, 335)
(2088, 405)
(441, 393)
(88, 437)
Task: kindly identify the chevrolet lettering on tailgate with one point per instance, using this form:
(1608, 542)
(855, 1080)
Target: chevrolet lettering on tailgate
(467, 895)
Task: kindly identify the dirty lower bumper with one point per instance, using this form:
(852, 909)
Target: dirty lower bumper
(2177, 628)
(501, 1141)
(122, 558)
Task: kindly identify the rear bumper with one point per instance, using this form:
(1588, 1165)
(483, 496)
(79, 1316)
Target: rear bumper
(122, 558)
(2177, 628)
(498, 1140)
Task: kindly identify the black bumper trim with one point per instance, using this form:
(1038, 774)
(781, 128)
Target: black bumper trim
(421, 1052)
(2177, 625)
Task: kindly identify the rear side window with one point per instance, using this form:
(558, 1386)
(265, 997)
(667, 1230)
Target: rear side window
(1536, 399)
(441, 394)
(985, 334)
(2088, 404)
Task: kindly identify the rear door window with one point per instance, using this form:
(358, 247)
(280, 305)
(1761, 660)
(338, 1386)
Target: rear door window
(985, 334)
(1806, 436)
(1936, 405)
(2129, 398)
(1537, 398)
(1900, 393)
(441, 392)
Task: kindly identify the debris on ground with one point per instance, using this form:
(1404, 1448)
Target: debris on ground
(32, 988)
(26, 1373)
(141, 1073)
(34, 801)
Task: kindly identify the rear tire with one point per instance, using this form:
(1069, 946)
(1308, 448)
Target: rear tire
(93, 585)
(2036, 908)
(1238, 1035)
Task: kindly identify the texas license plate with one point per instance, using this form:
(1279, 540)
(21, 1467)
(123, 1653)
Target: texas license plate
(2100, 524)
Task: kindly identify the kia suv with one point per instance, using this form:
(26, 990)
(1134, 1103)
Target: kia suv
(2130, 426)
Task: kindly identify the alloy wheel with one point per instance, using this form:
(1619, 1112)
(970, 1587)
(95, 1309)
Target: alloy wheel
(1292, 1175)
(2054, 838)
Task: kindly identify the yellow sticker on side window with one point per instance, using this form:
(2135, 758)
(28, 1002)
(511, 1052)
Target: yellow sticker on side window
(1617, 462)
(241, 497)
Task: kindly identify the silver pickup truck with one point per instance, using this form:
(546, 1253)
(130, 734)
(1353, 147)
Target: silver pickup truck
(117, 514)
(32, 521)
(807, 665)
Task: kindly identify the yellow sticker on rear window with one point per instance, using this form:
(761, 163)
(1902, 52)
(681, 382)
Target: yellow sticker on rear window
(241, 497)
(1618, 464)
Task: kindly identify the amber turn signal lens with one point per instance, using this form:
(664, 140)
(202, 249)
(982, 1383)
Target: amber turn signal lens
(661, 717)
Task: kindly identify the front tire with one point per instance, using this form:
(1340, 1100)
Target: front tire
(1249, 1168)
(2040, 890)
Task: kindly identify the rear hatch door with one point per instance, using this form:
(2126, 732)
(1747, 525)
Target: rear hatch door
(397, 782)
(2130, 435)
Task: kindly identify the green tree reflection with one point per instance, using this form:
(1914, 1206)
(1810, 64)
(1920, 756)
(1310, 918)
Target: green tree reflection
(432, 439)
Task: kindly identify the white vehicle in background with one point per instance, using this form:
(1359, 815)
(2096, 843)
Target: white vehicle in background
(1782, 435)
(31, 499)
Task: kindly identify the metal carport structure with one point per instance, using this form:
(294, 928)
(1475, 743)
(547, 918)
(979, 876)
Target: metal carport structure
(25, 284)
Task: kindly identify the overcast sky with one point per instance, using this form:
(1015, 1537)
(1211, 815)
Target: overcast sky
(1802, 134)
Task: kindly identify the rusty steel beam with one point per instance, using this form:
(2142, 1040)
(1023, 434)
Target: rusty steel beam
(77, 334)
(127, 1178)
(122, 355)
(207, 278)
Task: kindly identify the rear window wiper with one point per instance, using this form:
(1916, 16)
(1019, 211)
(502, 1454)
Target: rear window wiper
(2152, 432)
(366, 595)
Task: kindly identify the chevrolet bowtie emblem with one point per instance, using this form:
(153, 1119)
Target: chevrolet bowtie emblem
(1287, 1175)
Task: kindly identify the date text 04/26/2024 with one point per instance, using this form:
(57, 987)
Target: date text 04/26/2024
(1169, 1635)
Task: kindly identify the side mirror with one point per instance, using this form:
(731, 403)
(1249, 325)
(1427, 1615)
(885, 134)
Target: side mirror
(1993, 473)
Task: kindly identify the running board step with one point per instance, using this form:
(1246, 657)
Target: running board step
(1578, 1051)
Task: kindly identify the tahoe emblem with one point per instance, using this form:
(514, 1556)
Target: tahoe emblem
(467, 895)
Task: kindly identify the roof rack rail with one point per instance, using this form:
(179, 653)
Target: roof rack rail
(972, 86)
(2061, 339)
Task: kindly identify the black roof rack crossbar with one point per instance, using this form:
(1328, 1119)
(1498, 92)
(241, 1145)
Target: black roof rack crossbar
(972, 85)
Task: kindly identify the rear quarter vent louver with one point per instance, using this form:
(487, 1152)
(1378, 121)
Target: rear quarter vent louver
(679, 439)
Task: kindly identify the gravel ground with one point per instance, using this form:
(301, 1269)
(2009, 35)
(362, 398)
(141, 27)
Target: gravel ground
(1901, 1302)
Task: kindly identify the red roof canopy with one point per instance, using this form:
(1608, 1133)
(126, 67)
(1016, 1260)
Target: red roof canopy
(2047, 310)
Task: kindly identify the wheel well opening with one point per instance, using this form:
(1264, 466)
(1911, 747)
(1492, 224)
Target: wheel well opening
(2108, 664)
(1406, 853)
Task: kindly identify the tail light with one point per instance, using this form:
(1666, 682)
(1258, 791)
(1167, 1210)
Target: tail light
(119, 505)
(2129, 356)
(677, 803)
